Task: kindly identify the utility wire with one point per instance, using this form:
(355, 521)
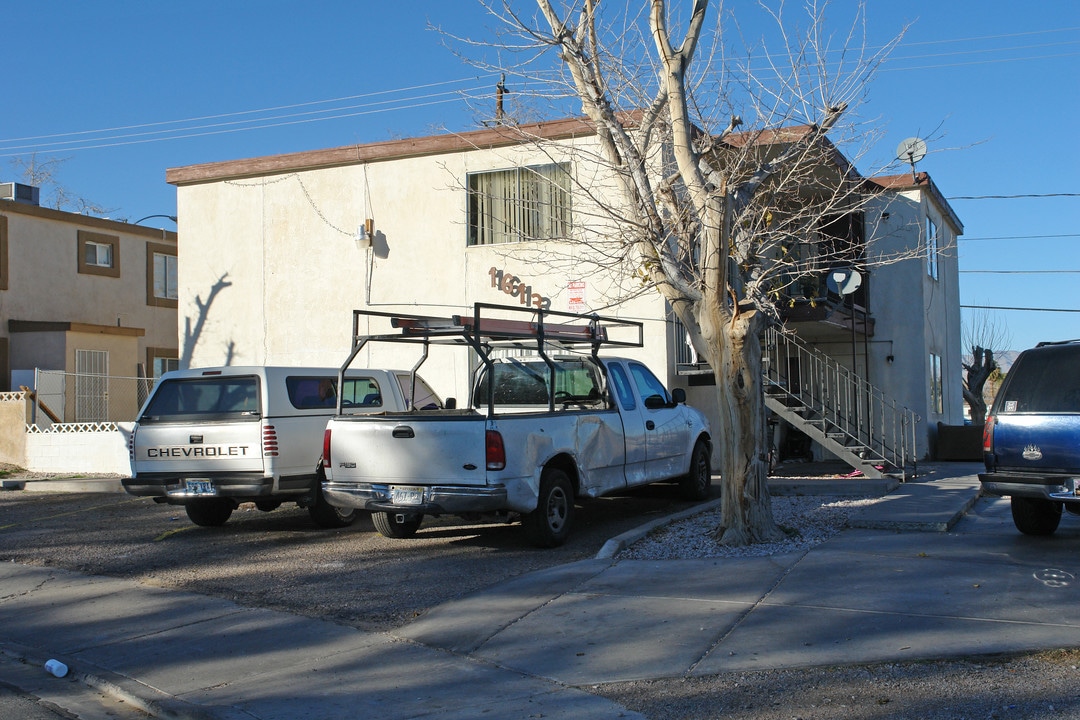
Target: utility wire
(1024, 309)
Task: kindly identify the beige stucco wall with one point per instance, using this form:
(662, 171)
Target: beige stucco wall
(287, 246)
(45, 285)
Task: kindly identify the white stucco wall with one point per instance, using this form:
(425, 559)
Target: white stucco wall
(287, 246)
(914, 313)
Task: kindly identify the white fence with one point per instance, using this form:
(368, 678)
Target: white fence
(71, 424)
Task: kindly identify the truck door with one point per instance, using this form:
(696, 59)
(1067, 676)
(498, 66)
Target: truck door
(633, 424)
(667, 433)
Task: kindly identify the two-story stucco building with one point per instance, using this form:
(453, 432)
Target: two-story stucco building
(86, 296)
(279, 250)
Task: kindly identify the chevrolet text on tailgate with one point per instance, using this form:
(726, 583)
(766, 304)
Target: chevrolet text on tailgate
(212, 438)
(548, 421)
(1031, 440)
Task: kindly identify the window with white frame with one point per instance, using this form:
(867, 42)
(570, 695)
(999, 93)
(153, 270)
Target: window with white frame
(931, 248)
(519, 204)
(936, 390)
(99, 254)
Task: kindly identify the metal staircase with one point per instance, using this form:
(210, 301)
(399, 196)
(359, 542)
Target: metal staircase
(845, 414)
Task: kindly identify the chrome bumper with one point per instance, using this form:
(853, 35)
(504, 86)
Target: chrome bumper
(1059, 489)
(436, 499)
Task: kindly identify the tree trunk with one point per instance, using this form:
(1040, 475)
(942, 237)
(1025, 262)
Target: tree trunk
(978, 372)
(746, 510)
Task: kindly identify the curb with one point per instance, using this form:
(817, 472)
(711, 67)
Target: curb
(146, 699)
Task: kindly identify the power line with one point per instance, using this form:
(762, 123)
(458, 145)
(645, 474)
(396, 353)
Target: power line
(1020, 237)
(1023, 309)
(1010, 197)
(1024, 272)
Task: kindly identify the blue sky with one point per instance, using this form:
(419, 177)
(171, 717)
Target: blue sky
(125, 89)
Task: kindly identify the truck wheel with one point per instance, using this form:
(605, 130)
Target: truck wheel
(388, 524)
(695, 485)
(326, 515)
(209, 512)
(549, 524)
(1035, 516)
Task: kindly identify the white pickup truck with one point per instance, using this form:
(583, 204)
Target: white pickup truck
(212, 438)
(540, 430)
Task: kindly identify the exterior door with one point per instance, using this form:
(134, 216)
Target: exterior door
(91, 385)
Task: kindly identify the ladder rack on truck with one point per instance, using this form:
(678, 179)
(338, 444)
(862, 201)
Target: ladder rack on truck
(497, 326)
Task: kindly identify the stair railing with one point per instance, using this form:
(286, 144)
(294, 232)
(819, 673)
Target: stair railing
(839, 401)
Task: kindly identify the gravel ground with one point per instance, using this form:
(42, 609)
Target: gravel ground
(1042, 686)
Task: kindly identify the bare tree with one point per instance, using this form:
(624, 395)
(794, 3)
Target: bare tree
(45, 174)
(723, 222)
(983, 335)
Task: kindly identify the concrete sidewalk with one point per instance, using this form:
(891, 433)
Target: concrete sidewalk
(893, 588)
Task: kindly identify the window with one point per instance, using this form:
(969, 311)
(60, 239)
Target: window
(518, 205)
(200, 398)
(165, 276)
(936, 400)
(647, 384)
(425, 399)
(161, 287)
(931, 248)
(163, 365)
(99, 254)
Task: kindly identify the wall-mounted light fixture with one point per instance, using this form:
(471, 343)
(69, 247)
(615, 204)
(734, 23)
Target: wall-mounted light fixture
(366, 233)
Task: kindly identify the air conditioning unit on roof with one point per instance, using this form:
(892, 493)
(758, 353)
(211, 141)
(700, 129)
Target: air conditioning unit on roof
(18, 192)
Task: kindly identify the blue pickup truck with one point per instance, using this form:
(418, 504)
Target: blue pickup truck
(1031, 441)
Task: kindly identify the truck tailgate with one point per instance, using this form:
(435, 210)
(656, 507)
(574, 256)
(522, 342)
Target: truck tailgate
(415, 449)
(198, 448)
(1036, 442)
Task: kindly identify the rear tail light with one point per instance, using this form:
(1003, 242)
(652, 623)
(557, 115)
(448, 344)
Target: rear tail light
(269, 441)
(326, 449)
(494, 451)
(131, 447)
(988, 434)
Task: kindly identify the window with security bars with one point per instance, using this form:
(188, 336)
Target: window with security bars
(520, 204)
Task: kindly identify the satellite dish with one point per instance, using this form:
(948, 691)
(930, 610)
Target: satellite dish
(843, 281)
(911, 150)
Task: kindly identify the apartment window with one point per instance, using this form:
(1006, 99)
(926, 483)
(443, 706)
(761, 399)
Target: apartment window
(937, 402)
(161, 360)
(163, 365)
(161, 275)
(99, 254)
(520, 204)
(931, 248)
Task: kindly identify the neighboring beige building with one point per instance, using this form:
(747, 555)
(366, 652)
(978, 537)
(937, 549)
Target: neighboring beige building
(279, 250)
(86, 296)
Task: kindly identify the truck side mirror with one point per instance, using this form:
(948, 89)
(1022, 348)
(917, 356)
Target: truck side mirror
(678, 395)
(450, 403)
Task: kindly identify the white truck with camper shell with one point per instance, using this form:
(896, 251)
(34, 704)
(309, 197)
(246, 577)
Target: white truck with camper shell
(548, 421)
(212, 438)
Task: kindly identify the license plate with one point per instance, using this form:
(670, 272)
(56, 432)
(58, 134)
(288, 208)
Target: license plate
(199, 487)
(407, 495)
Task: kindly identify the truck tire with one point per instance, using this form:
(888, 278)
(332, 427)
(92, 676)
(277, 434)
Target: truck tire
(323, 513)
(549, 524)
(209, 512)
(326, 515)
(1035, 516)
(388, 525)
(697, 483)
